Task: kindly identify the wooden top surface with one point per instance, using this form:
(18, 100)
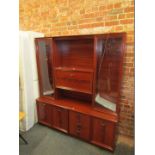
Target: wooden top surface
(80, 106)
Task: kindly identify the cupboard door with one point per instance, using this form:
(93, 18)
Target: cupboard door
(103, 133)
(60, 119)
(109, 62)
(44, 64)
(79, 125)
(44, 113)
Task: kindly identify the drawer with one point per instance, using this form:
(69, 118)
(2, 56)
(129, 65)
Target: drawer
(103, 133)
(74, 80)
(60, 119)
(79, 125)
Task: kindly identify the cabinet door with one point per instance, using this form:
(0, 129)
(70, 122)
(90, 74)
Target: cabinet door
(44, 64)
(79, 125)
(60, 119)
(44, 113)
(110, 51)
(103, 133)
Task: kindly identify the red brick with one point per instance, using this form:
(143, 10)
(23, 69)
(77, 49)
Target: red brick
(117, 5)
(85, 26)
(121, 16)
(101, 8)
(127, 21)
(90, 15)
(129, 15)
(111, 23)
(97, 24)
(129, 9)
(114, 17)
(111, 6)
(119, 28)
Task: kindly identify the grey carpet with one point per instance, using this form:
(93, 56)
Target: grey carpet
(44, 141)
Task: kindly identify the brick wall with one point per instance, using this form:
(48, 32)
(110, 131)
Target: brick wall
(72, 17)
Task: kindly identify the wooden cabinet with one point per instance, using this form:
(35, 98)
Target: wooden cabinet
(103, 133)
(44, 113)
(79, 125)
(80, 81)
(60, 119)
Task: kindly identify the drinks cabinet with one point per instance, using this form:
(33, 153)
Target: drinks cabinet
(79, 82)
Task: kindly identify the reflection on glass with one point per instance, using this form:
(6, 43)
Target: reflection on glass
(45, 67)
(108, 73)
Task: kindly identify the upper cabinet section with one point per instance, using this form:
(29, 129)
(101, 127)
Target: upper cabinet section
(44, 62)
(73, 63)
(82, 66)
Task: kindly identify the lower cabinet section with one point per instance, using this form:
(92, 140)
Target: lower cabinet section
(87, 127)
(103, 133)
(79, 125)
(60, 119)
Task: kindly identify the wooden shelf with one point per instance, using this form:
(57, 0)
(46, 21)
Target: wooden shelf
(74, 69)
(73, 89)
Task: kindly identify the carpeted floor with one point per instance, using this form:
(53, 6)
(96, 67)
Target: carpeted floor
(44, 141)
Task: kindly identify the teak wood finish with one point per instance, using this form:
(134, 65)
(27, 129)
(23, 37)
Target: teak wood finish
(79, 68)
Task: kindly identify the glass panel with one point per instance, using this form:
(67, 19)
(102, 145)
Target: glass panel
(45, 67)
(109, 58)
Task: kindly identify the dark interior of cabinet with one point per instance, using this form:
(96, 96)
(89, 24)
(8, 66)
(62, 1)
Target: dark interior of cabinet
(66, 94)
(74, 53)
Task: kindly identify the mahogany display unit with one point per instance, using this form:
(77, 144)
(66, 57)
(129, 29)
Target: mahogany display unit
(79, 82)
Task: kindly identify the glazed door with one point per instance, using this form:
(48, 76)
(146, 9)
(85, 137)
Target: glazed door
(44, 63)
(110, 51)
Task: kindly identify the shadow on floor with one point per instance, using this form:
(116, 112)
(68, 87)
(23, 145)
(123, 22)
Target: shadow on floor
(44, 141)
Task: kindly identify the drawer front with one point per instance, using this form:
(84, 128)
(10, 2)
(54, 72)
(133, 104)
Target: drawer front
(44, 113)
(60, 119)
(103, 133)
(78, 81)
(79, 125)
